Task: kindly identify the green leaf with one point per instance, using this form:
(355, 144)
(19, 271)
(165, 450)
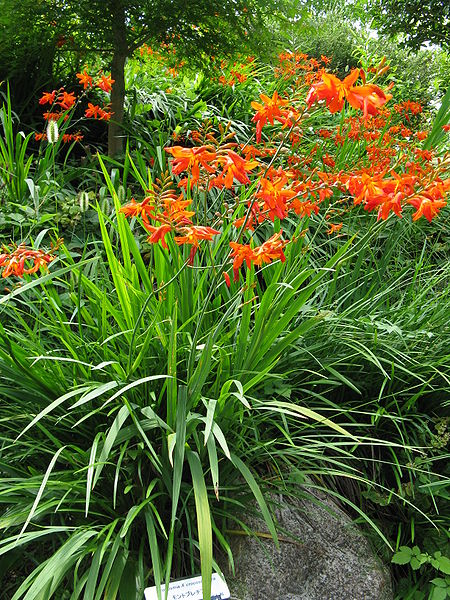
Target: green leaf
(113, 432)
(439, 594)
(132, 514)
(214, 464)
(179, 449)
(246, 473)
(211, 407)
(154, 550)
(439, 582)
(203, 521)
(303, 411)
(51, 406)
(403, 557)
(42, 488)
(444, 564)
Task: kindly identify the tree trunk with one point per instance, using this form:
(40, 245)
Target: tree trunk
(115, 131)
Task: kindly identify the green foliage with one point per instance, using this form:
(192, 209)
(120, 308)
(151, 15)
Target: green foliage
(145, 406)
(14, 166)
(439, 587)
(418, 22)
(350, 41)
(27, 50)
(119, 27)
(135, 413)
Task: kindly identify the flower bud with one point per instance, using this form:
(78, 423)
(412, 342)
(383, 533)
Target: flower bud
(105, 205)
(383, 70)
(52, 132)
(121, 193)
(83, 200)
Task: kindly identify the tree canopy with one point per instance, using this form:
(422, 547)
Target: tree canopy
(419, 21)
(117, 27)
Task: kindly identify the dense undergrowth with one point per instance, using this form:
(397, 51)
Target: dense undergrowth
(225, 317)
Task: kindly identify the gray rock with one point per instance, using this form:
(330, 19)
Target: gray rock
(329, 559)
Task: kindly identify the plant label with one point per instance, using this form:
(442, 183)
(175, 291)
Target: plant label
(191, 589)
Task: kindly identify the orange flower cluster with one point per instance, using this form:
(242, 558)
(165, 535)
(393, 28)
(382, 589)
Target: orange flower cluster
(372, 158)
(63, 99)
(272, 249)
(145, 49)
(408, 106)
(54, 116)
(393, 193)
(294, 63)
(166, 56)
(172, 214)
(66, 101)
(66, 137)
(236, 73)
(224, 167)
(369, 98)
(94, 111)
(21, 260)
(268, 111)
(103, 83)
(190, 159)
(275, 195)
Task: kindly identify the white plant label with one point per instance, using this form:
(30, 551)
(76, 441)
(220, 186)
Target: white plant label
(191, 589)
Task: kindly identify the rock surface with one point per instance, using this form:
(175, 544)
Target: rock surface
(330, 561)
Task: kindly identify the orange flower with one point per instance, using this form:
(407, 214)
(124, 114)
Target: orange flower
(268, 111)
(240, 253)
(303, 208)
(54, 116)
(421, 135)
(175, 211)
(363, 186)
(104, 114)
(253, 219)
(369, 98)
(136, 209)
(332, 90)
(66, 101)
(271, 249)
(185, 159)
(158, 233)
(48, 97)
(234, 167)
(328, 160)
(385, 204)
(426, 206)
(194, 233)
(16, 262)
(275, 196)
(334, 227)
(84, 79)
(105, 83)
(72, 137)
(92, 111)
